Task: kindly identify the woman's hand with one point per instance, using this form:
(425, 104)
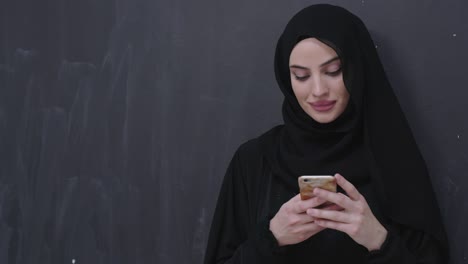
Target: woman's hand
(291, 225)
(356, 219)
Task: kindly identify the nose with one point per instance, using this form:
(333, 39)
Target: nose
(318, 87)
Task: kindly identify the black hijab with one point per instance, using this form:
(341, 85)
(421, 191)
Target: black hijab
(371, 140)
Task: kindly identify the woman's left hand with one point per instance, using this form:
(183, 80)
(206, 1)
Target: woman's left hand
(356, 219)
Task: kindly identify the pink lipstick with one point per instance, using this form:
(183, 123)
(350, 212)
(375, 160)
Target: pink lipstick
(323, 106)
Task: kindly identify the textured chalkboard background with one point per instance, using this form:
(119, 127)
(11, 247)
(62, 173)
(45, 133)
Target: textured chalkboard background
(118, 117)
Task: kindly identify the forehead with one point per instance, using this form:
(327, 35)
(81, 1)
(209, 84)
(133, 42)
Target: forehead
(311, 52)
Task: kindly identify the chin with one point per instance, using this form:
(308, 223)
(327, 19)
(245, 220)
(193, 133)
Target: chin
(323, 119)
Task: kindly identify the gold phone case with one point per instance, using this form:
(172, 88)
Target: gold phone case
(308, 183)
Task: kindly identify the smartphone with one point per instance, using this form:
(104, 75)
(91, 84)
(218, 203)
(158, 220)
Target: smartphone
(307, 184)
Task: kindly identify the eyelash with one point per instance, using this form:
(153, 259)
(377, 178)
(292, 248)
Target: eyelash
(335, 73)
(303, 78)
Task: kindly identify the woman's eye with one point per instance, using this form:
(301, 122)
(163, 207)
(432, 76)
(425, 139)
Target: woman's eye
(334, 73)
(301, 78)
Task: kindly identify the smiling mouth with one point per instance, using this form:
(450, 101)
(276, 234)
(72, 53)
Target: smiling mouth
(323, 106)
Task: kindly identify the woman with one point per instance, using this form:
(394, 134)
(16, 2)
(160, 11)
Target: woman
(341, 116)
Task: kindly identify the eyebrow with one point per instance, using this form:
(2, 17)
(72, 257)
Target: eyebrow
(321, 65)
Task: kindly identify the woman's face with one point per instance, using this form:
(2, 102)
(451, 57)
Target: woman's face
(317, 80)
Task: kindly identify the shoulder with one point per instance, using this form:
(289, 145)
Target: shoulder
(250, 155)
(253, 147)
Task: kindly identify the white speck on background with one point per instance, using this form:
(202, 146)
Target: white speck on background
(458, 136)
(454, 35)
(376, 46)
(73, 261)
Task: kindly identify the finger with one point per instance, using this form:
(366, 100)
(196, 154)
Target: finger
(296, 198)
(333, 225)
(309, 229)
(333, 207)
(304, 219)
(299, 220)
(337, 216)
(291, 204)
(312, 202)
(349, 188)
(335, 198)
(302, 205)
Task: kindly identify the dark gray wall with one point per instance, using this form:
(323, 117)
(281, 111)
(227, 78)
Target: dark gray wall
(118, 117)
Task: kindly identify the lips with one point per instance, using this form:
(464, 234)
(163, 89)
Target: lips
(323, 106)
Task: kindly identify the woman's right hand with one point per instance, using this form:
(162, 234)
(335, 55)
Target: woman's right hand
(291, 224)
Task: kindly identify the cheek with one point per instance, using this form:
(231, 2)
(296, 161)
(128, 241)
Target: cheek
(300, 90)
(344, 94)
(340, 89)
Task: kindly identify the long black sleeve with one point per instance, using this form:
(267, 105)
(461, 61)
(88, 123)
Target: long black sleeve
(230, 240)
(408, 246)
